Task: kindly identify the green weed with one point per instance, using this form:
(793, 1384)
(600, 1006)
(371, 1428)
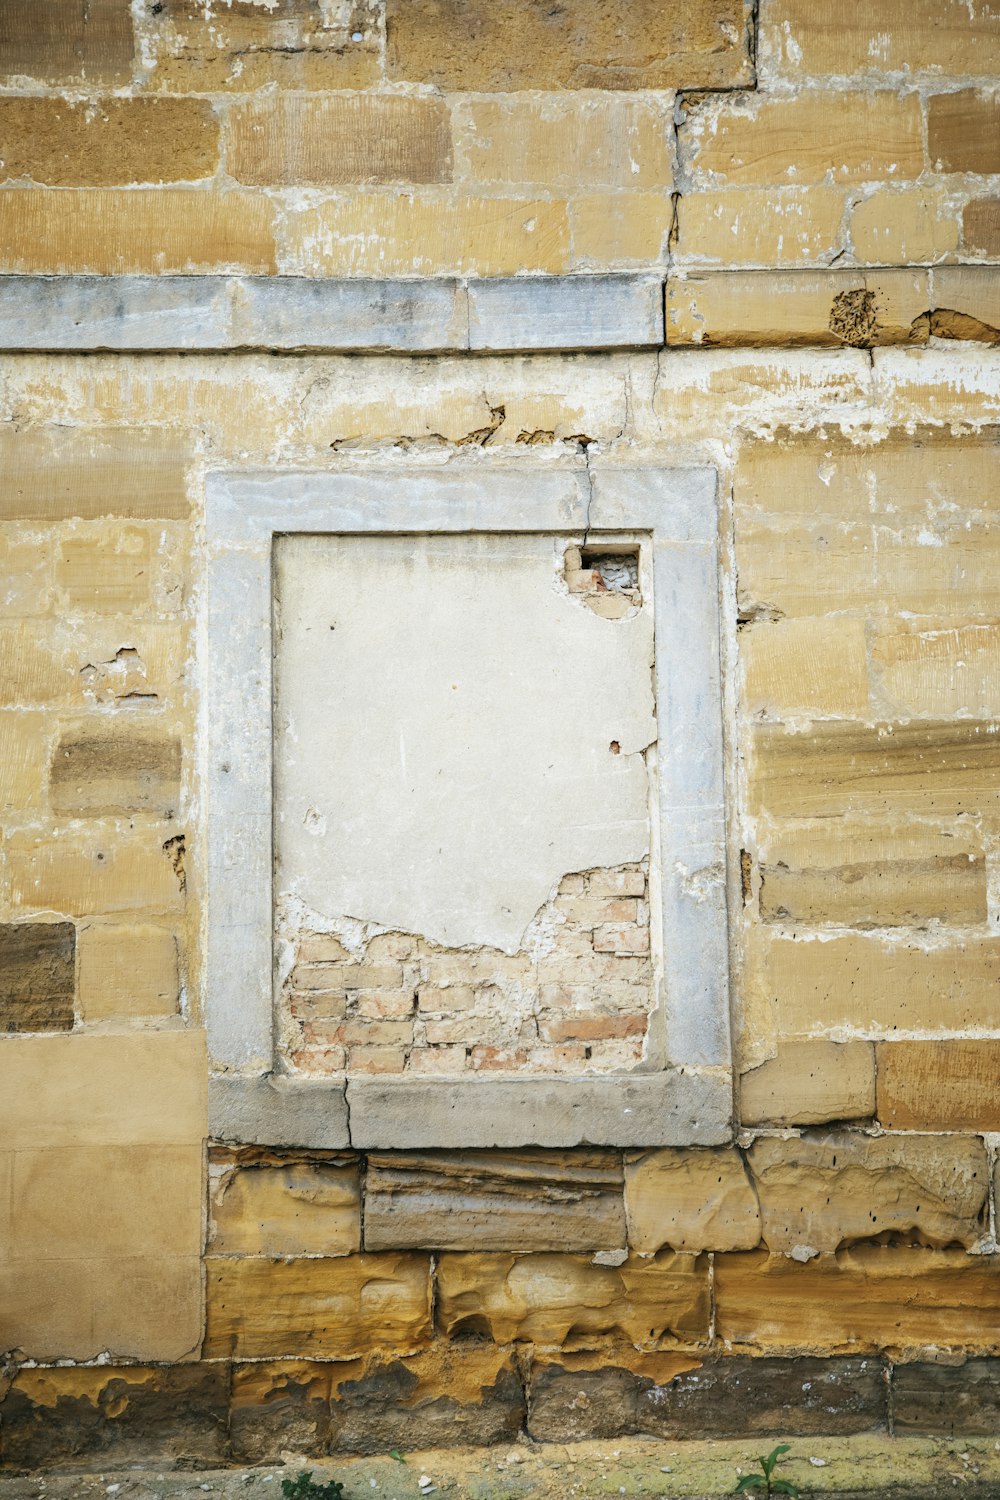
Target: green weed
(765, 1483)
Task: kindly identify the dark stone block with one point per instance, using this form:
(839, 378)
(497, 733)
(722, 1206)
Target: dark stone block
(947, 1400)
(37, 976)
(446, 1398)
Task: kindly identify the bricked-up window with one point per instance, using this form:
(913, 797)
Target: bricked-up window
(471, 734)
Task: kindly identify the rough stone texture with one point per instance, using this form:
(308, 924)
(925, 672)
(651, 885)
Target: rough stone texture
(37, 984)
(897, 226)
(690, 1200)
(810, 1083)
(280, 1406)
(391, 138)
(939, 37)
(273, 1111)
(963, 132)
(737, 227)
(333, 1308)
(97, 1416)
(94, 874)
(101, 144)
(127, 971)
(100, 773)
(827, 1192)
(956, 1399)
(568, 1301)
(524, 45)
(266, 1205)
(835, 308)
(531, 1200)
(60, 41)
(948, 1085)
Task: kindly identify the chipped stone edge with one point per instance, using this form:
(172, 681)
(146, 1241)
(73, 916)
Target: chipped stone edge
(691, 1100)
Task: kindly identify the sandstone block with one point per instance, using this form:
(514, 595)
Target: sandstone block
(127, 971)
(899, 226)
(860, 309)
(37, 985)
(759, 226)
(100, 143)
(113, 572)
(960, 1400)
(279, 1406)
(447, 1397)
(63, 40)
(967, 303)
(113, 231)
(943, 768)
(566, 1300)
(981, 227)
(586, 1396)
(805, 666)
(801, 40)
(23, 751)
(317, 1308)
(357, 138)
(423, 234)
(562, 141)
(121, 771)
(879, 989)
(620, 231)
(523, 44)
(26, 569)
(826, 1192)
(479, 1200)
(951, 671)
(96, 873)
(52, 472)
(858, 874)
(810, 137)
(275, 1207)
(810, 569)
(690, 1200)
(809, 1083)
(134, 1414)
(929, 1085)
(963, 132)
(871, 1298)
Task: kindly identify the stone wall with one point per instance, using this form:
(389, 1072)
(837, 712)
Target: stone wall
(819, 197)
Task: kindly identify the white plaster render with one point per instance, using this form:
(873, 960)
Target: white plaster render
(445, 713)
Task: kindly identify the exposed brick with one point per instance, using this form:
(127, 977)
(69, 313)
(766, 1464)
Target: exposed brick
(525, 44)
(809, 1083)
(357, 138)
(948, 1085)
(37, 976)
(963, 132)
(99, 143)
(62, 40)
(95, 772)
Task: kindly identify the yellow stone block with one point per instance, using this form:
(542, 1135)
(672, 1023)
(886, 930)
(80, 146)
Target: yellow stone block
(33, 668)
(792, 308)
(101, 871)
(805, 666)
(24, 749)
(287, 1208)
(565, 141)
(109, 571)
(620, 230)
(934, 1085)
(967, 303)
(126, 971)
(690, 1200)
(809, 1083)
(800, 39)
(786, 226)
(100, 142)
(963, 132)
(25, 574)
(54, 471)
(936, 670)
(786, 569)
(906, 225)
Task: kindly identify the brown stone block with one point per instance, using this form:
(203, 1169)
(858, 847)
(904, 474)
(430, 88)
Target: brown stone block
(53, 472)
(861, 309)
(24, 741)
(137, 1088)
(805, 666)
(62, 40)
(981, 227)
(123, 770)
(810, 137)
(567, 1300)
(953, 1399)
(135, 1414)
(900, 226)
(690, 1200)
(118, 231)
(126, 662)
(279, 1406)
(351, 138)
(804, 40)
(967, 303)
(565, 141)
(452, 1396)
(495, 1200)
(317, 1308)
(810, 1083)
(586, 1396)
(37, 976)
(863, 874)
(525, 44)
(785, 226)
(287, 1208)
(963, 132)
(127, 971)
(421, 234)
(870, 1298)
(951, 1085)
(97, 143)
(96, 873)
(828, 1191)
(920, 767)
(876, 988)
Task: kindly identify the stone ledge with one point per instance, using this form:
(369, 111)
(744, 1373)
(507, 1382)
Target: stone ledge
(268, 1111)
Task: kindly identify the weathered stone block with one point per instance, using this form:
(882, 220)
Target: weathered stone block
(809, 137)
(565, 140)
(981, 226)
(825, 308)
(111, 571)
(117, 771)
(620, 230)
(949, 1085)
(576, 1397)
(102, 871)
(567, 1300)
(23, 750)
(37, 983)
(963, 132)
(690, 1200)
(317, 1308)
(953, 670)
(805, 666)
(760, 226)
(127, 971)
(280, 1406)
(524, 44)
(62, 40)
(871, 1298)
(528, 1200)
(100, 143)
(52, 472)
(967, 303)
(272, 1206)
(825, 1192)
(276, 139)
(135, 1414)
(801, 40)
(897, 226)
(809, 1083)
(957, 1400)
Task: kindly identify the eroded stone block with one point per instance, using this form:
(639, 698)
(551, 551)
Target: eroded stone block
(117, 771)
(690, 1200)
(267, 1205)
(809, 1083)
(37, 976)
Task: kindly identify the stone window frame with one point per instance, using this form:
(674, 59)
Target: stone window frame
(687, 1101)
